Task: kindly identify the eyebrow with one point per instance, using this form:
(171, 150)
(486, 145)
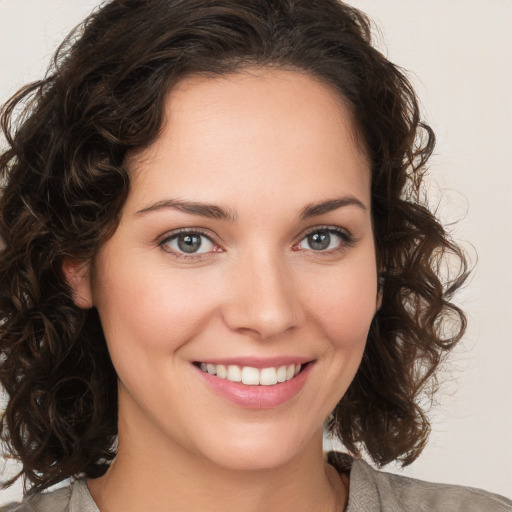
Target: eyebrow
(321, 207)
(195, 208)
(217, 212)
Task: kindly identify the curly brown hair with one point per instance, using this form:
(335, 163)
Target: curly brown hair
(64, 186)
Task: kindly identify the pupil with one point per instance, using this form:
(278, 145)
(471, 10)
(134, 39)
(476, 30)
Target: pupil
(189, 243)
(319, 240)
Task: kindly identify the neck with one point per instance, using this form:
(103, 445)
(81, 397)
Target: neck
(151, 473)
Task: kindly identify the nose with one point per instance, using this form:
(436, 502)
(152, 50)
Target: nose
(262, 299)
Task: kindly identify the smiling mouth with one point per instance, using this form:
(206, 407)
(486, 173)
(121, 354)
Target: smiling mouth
(251, 376)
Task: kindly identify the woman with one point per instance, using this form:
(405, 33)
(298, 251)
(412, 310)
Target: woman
(213, 245)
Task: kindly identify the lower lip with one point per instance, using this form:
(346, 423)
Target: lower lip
(257, 397)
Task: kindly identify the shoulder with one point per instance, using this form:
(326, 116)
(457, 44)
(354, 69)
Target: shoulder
(411, 494)
(72, 498)
(371, 489)
(55, 501)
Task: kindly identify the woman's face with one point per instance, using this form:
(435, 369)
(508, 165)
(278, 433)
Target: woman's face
(245, 249)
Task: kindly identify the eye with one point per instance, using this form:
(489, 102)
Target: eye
(324, 239)
(188, 242)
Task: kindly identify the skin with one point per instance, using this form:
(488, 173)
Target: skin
(263, 145)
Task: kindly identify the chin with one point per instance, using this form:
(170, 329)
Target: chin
(250, 459)
(259, 452)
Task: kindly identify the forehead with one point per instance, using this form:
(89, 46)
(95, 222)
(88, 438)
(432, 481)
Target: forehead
(265, 129)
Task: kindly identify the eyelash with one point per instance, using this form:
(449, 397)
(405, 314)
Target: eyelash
(347, 240)
(188, 231)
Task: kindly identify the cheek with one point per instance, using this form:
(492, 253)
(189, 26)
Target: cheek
(151, 311)
(344, 303)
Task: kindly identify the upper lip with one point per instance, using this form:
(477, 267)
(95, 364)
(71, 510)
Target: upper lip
(257, 362)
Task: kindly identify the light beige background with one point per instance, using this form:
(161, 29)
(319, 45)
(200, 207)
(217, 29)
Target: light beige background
(461, 55)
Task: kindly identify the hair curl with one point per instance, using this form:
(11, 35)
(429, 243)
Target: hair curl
(64, 186)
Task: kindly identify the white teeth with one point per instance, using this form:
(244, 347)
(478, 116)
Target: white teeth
(252, 376)
(268, 376)
(234, 374)
(281, 374)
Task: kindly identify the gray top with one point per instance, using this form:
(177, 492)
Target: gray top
(370, 491)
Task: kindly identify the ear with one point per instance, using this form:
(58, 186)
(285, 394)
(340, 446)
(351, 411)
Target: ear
(380, 288)
(78, 277)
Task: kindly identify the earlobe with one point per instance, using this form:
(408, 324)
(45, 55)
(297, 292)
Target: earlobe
(77, 275)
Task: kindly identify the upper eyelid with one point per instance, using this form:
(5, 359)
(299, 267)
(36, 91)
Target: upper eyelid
(321, 227)
(326, 227)
(175, 232)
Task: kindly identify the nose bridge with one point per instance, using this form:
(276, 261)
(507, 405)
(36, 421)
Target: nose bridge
(262, 299)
